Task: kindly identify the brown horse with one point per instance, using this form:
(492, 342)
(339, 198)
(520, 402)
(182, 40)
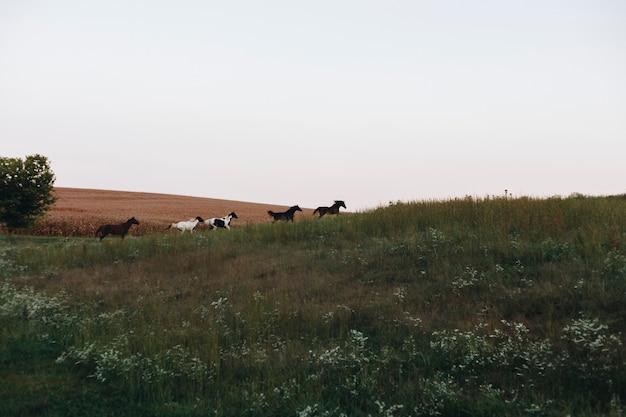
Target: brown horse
(285, 215)
(334, 209)
(115, 229)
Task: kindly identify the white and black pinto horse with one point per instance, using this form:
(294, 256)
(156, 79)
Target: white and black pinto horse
(221, 222)
(186, 225)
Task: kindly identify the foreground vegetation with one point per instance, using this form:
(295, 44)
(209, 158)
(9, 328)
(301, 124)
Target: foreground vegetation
(471, 307)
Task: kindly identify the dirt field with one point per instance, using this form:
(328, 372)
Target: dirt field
(79, 212)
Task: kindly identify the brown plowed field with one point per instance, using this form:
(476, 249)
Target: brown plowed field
(79, 212)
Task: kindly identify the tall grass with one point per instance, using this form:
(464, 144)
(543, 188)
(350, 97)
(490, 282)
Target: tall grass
(464, 307)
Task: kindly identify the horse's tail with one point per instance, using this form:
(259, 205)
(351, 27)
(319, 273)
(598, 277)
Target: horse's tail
(99, 231)
(169, 226)
(316, 210)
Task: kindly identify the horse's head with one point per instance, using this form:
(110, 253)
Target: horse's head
(296, 208)
(132, 220)
(340, 203)
(233, 215)
(200, 219)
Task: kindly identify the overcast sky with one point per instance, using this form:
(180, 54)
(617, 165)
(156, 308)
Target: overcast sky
(305, 102)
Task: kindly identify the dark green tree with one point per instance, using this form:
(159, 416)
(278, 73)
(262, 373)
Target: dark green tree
(25, 190)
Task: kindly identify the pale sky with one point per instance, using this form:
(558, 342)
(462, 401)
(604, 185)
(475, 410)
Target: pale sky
(305, 102)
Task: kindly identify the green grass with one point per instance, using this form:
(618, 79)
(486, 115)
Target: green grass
(468, 307)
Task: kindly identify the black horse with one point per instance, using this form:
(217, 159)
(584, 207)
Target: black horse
(334, 209)
(115, 229)
(285, 215)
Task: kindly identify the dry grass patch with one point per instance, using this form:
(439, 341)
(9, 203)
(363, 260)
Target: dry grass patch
(79, 212)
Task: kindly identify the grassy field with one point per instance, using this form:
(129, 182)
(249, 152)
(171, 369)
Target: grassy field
(468, 307)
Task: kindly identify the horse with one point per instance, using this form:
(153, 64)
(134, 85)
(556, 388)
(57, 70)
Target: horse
(285, 215)
(186, 225)
(116, 229)
(223, 222)
(334, 209)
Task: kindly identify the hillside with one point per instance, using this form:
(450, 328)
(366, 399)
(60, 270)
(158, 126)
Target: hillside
(79, 212)
(495, 307)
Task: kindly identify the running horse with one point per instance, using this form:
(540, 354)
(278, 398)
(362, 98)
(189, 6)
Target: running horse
(285, 215)
(334, 209)
(221, 222)
(186, 225)
(116, 229)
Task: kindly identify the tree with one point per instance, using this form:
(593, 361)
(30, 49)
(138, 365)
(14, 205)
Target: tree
(25, 190)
